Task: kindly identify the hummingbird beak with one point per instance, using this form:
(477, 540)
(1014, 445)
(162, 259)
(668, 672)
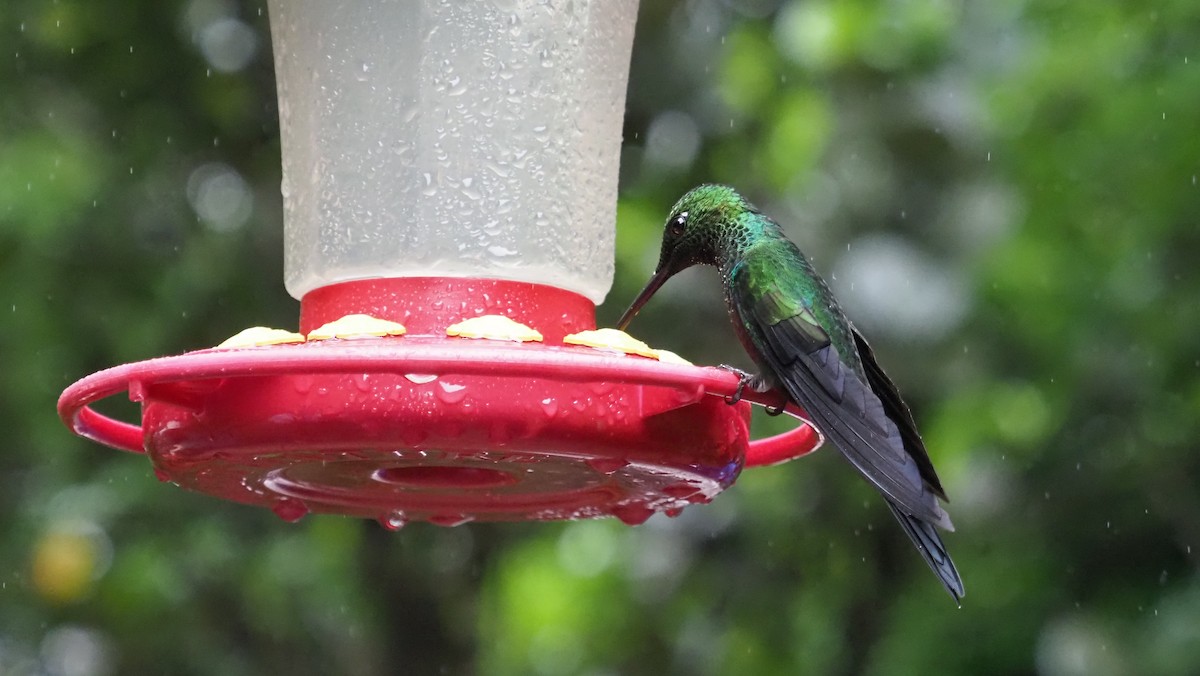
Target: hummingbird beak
(660, 276)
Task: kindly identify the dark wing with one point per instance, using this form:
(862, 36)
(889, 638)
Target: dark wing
(898, 412)
(806, 363)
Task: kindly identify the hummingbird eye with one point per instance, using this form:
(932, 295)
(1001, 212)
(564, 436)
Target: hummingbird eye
(678, 224)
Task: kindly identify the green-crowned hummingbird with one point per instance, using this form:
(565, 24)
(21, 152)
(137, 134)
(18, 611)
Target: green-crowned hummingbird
(792, 327)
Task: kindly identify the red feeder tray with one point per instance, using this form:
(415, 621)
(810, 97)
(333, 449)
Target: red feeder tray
(427, 427)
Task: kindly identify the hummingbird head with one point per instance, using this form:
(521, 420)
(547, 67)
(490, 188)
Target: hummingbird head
(702, 223)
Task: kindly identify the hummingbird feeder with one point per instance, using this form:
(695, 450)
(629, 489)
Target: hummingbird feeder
(449, 184)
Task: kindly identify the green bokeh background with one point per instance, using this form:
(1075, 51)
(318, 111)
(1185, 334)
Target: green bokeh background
(1003, 194)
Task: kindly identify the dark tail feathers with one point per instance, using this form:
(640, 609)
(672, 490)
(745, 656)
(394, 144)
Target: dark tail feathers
(925, 536)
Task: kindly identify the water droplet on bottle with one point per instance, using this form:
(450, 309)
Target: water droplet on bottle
(673, 512)
(549, 407)
(420, 378)
(289, 509)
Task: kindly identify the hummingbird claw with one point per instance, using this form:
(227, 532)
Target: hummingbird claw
(777, 408)
(737, 395)
(744, 379)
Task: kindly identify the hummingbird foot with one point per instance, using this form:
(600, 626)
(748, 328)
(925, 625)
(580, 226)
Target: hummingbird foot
(756, 383)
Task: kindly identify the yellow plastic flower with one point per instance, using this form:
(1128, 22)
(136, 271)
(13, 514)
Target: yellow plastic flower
(257, 336)
(357, 326)
(494, 327)
(612, 340)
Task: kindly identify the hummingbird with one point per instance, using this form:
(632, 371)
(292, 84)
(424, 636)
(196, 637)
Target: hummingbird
(804, 347)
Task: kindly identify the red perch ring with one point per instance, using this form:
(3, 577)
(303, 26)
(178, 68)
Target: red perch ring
(428, 427)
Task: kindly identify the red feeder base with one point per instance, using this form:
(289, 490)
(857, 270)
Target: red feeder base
(425, 427)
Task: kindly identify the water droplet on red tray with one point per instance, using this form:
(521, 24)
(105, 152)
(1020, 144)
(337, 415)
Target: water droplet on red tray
(413, 434)
(500, 433)
(289, 509)
(450, 428)
(451, 393)
(362, 382)
(679, 490)
(393, 521)
(632, 515)
(606, 465)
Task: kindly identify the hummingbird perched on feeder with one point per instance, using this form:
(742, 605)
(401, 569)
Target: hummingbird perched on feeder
(792, 327)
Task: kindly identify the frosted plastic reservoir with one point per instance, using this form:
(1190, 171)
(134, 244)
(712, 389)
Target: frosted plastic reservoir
(466, 138)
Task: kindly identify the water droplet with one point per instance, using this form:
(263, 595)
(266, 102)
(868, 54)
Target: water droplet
(606, 465)
(450, 520)
(289, 509)
(680, 490)
(412, 435)
(633, 514)
(361, 381)
(420, 378)
(673, 512)
(549, 406)
(450, 393)
(500, 433)
(450, 428)
(393, 521)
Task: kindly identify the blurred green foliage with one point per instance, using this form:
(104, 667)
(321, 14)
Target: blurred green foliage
(1003, 194)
